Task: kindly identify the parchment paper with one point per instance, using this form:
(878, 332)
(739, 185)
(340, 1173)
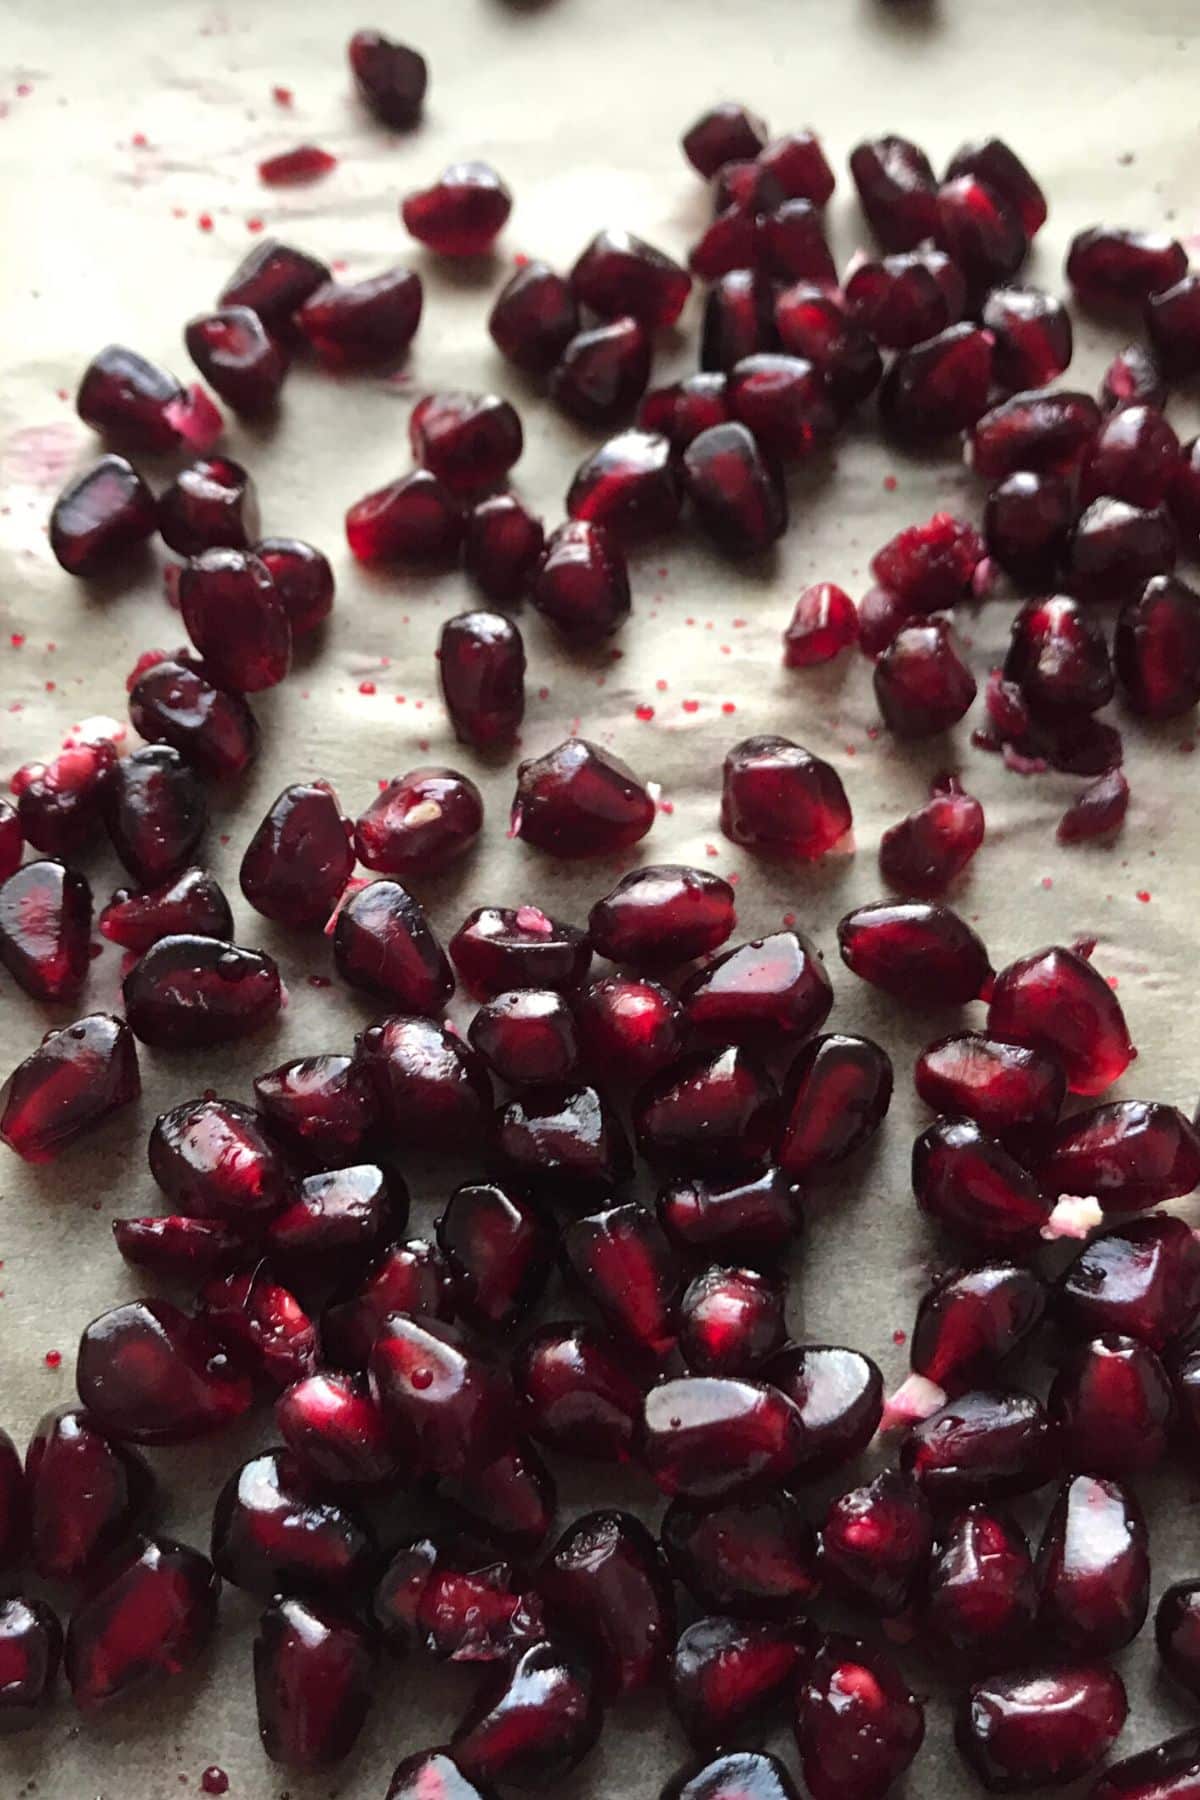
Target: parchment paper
(580, 104)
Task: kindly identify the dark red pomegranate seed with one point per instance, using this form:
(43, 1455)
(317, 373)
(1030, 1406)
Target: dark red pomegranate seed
(352, 324)
(303, 580)
(532, 1723)
(30, 1653)
(903, 300)
(929, 567)
(534, 317)
(235, 354)
(1009, 1090)
(986, 1445)
(1133, 457)
(582, 583)
(1133, 378)
(156, 812)
(274, 281)
(1117, 548)
(578, 1393)
(603, 372)
(449, 1602)
(450, 1407)
(739, 1775)
(391, 78)
(784, 402)
(1141, 1280)
(527, 1037)
(75, 1079)
(431, 1775)
(970, 1183)
(898, 192)
(992, 161)
(793, 244)
(982, 233)
(430, 1088)
(780, 800)
(880, 616)
(1027, 526)
(1177, 1633)
(1040, 1726)
(1109, 266)
(605, 1585)
(1034, 341)
(413, 520)
(179, 1248)
(262, 1325)
(981, 1595)
(966, 1324)
(1165, 1772)
(321, 1106)
(824, 623)
(299, 858)
(420, 823)
(1047, 430)
(1111, 1403)
(236, 619)
(150, 1620)
(101, 517)
(923, 954)
(798, 163)
(409, 1278)
(623, 1263)
(512, 1500)
(937, 387)
(498, 1249)
(1058, 657)
(662, 915)
(1130, 1154)
(727, 1674)
(501, 947)
(211, 504)
(45, 923)
(1157, 649)
(686, 408)
(130, 400)
(502, 548)
(580, 800)
(774, 987)
(1056, 1002)
(1173, 322)
(469, 441)
(834, 1098)
(338, 1218)
(481, 666)
(751, 1219)
(1093, 1568)
(384, 943)
(274, 1530)
(713, 1112)
(630, 485)
(726, 133)
(708, 1436)
(190, 993)
(736, 493)
(629, 1028)
(922, 684)
(12, 840)
(148, 1372)
(59, 803)
(213, 1160)
(174, 703)
(14, 1504)
(193, 903)
(619, 275)
(857, 1725)
(876, 1543)
(924, 852)
(86, 1495)
(460, 214)
(755, 1558)
(313, 1673)
(739, 319)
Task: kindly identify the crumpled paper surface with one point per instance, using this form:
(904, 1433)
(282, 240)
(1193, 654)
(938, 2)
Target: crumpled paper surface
(128, 149)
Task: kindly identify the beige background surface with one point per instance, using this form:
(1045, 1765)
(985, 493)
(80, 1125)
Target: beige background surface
(580, 104)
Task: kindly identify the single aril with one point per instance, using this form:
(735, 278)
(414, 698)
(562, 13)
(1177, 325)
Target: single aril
(1173, 323)
(922, 684)
(745, 186)
(683, 410)
(213, 1160)
(1167, 1771)
(339, 1218)
(603, 372)
(770, 989)
(1093, 1568)
(236, 619)
(622, 1261)
(1133, 457)
(313, 1674)
(1141, 1280)
(173, 702)
(728, 132)
(191, 993)
(1156, 649)
(469, 441)
(321, 1106)
(930, 567)
(502, 550)
(481, 667)
(178, 1248)
(263, 1326)
(150, 1620)
(1058, 657)
(922, 954)
(857, 1725)
(532, 1723)
(630, 486)
(628, 1028)
(1027, 522)
(726, 1674)
(420, 823)
(1040, 1726)
(904, 300)
(76, 1078)
(274, 1531)
(989, 1444)
(580, 800)
(130, 401)
(983, 235)
(1131, 1154)
(1056, 1002)
(709, 1436)
(1117, 548)
(938, 387)
(1177, 1633)
(12, 840)
(156, 812)
(431, 1775)
(30, 1653)
(303, 580)
(274, 280)
(981, 1596)
(1047, 430)
(45, 925)
(512, 1501)
(1133, 378)
(447, 1600)
(662, 915)
(880, 616)
(238, 357)
(833, 1100)
(415, 520)
(498, 1249)
(101, 517)
(383, 942)
(211, 504)
(349, 324)
(736, 493)
(194, 902)
(527, 1037)
(460, 214)
(780, 800)
(970, 1183)
(501, 947)
(966, 1324)
(1111, 1403)
(876, 1543)
(739, 320)
(450, 1407)
(824, 623)
(897, 190)
(750, 1219)
(61, 803)
(605, 1585)
(86, 1495)
(582, 583)
(991, 160)
(1097, 811)
(793, 245)
(712, 1112)
(784, 403)
(391, 78)
(1034, 341)
(149, 1373)
(1110, 266)
(409, 1278)
(431, 1091)
(755, 1558)
(300, 857)
(797, 161)
(735, 241)
(929, 848)
(533, 318)
(578, 1393)
(815, 326)
(621, 275)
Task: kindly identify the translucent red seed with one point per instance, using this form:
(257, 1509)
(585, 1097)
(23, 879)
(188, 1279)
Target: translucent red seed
(579, 800)
(45, 922)
(1109, 266)
(502, 548)
(736, 493)
(148, 1372)
(1009, 1089)
(713, 1112)
(534, 317)
(150, 1621)
(926, 851)
(236, 620)
(500, 947)
(706, 1437)
(101, 517)
(628, 1026)
(833, 1100)
(1156, 649)
(780, 800)
(469, 441)
(605, 1585)
(238, 357)
(1140, 1280)
(413, 520)
(313, 1676)
(174, 702)
(897, 190)
(274, 280)
(462, 213)
(383, 942)
(620, 275)
(75, 1079)
(857, 1725)
(937, 387)
(630, 486)
(623, 1263)
(876, 1542)
(420, 823)
(1111, 1403)
(824, 623)
(391, 78)
(603, 372)
(1056, 1002)
(1040, 1725)
(582, 583)
(299, 858)
(190, 992)
(129, 400)
(527, 1036)
(923, 954)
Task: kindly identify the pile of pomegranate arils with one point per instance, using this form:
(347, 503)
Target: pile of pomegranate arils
(404, 1367)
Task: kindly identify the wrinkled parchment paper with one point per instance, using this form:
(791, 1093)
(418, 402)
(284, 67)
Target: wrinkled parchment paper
(125, 128)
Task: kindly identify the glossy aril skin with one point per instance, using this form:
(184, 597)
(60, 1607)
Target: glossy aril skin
(839, 1395)
(630, 486)
(1027, 524)
(102, 517)
(213, 1159)
(1131, 1154)
(175, 703)
(498, 1250)
(1157, 649)
(193, 902)
(527, 1037)
(926, 851)
(992, 161)
(897, 190)
(391, 78)
(582, 583)
(924, 955)
(502, 547)
(739, 320)
(986, 1445)
(929, 567)
(313, 1669)
(303, 580)
(834, 1099)
(780, 800)
(1040, 1727)
(730, 1320)
(179, 1248)
(273, 1530)
(1177, 1633)
(338, 1218)
(1093, 1568)
(129, 400)
(857, 1725)
(532, 1723)
(712, 1112)
(210, 504)
(605, 1584)
(149, 1373)
(236, 619)
(420, 823)
(156, 812)
(727, 1673)
(68, 1086)
(603, 373)
(1133, 458)
(1113, 267)
(628, 1027)
(578, 1392)
(512, 1500)
(1048, 430)
(500, 947)
(352, 324)
(1009, 1090)
(876, 1542)
(262, 1325)
(469, 441)
(1117, 548)
(903, 300)
(579, 800)
(320, 1105)
(921, 682)
(384, 943)
(1140, 1280)
(86, 1495)
(299, 858)
(662, 915)
(534, 318)
(784, 402)
(1033, 333)
(1167, 1771)
(481, 667)
(1055, 1002)
(431, 1775)
(448, 1404)
(750, 1219)
(937, 388)
(462, 213)
(565, 1144)
(1112, 1405)
(59, 802)
(429, 1087)
(707, 1437)
(824, 623)
(624, 1264)
(969, 1321)
(981, 1597)
(982, 234)
(755, 1558)
(814, 326)
(1133, 378)
(45, 919)
(30, 1652)
(274, 280)
(450, 1602)
(683, 410)
(726, 133)
(237, 356)
(415, 520)
(772, 988)
(736, 494)
(739, 1775)
(971, 1184)
(1058, 657)
(621, 275)
(409, 1277)
(149, 1621)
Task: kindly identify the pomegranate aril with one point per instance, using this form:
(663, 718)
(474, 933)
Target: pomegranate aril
(431, 1775)
(303, 580)
(755, 1558)
(926, 851)
(300, 857)
(212, 1159)
(713, 1112)
(190, 993)
(512, 1500)
(784, 402)
(262, 1325)
(1133, 378)
(527, 1037)
(1130, 1154)
(1046, 430)
(391, 78)
(857, 1725)
(430, 1089)
(382, 942)
(623, 1263)
(922, 684)
(798, 163)
(621, 275)
(148, 1372)
(1157, 649)
(339, 1217)
(211, 504)
(726, 133)
(578, 1393)
(469, 441)
(605, 1585)
(880, 616)
(413, 520)
(450, 1407)
(630, 486)
(101, 517)
(876, 1543)
(988, 1444)
(410, 1278)
(129, 400)
(498, 1250)
(834, 1098)
(274, 281)
(685, 409)
(152, 1619)
(60, 803)
(420, 823)
(1112, 1405)
(1116, 548)
(970, 1183)
(982, 234)
(500, 947)
(481, 666)
(313, 1672)
(86, 1495)
(1056, 1002)
(735, 492)
(502, 549)
(274, 1530)
(1093, 1568)
(1034, 341)
(603, 372)
(1173, 324)
(193, 902)
(793, 244)
(533, 1723)
(739, 1775)
(235, 354)
(70, 1084)
(709, 1436)
(780, 800)
(662, 915)
(460, 214)
(1027, 524)
(898, 191)
(1177, 1633)
(1133, 457)
(1098, 811)
(728, 1673)
(1110, 266)
(1058, 657)
(580, 800)
(1167, 1771)
(534, 317)
(969, 1321)
(179, 1248)
(156, 812)
(981, 1596)
(739, 319)
(45, 925)
(824, 623)
(353, 324)
(923, 954)
(628, 1028)
(12, 840)
(236, 619)
(173, 702)
(990, 160)
(903, 300)
(320, 1105)
(751, 1219)
(937, 387)
(929, 567)
(447, 1601)
(582, 583)
(30, 1653)
(774, 987)
(1040, 1727)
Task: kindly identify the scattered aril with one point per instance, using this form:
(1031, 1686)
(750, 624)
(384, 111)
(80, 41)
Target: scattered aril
(462, 213)
(391, 78)
(307, 162)
(353, 324)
